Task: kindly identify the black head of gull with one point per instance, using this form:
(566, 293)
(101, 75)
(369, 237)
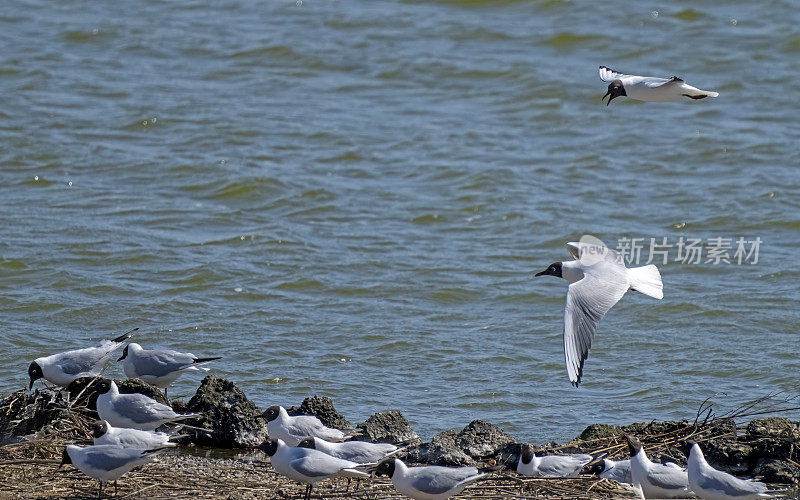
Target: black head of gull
(553, 270)
(103, 386)
(615, 89)
(307, 443)
(65, 459)
(686, 447)
(385, 468)
(597, 468)
(272, 413)
(633, 445)
(124, 354)
(99, 428)
(35, 373)
(270, 447)
(527, 453)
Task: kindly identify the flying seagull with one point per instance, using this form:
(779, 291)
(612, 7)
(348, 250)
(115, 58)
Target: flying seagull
(598, 279)
(63, 368)
(306, 465)
(429, 482)
(649, 88)
(656, 480)
(135, 411)
(707, 482)
(159, 367)
(292, 430)
(550, 465)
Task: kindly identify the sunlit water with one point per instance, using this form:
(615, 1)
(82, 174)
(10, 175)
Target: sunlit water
(350, 198)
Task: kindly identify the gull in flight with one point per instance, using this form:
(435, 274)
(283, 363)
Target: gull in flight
(550, 465)
(292, 430)
(656, 480)
(135, 411)
(430, 482)
(598, 279)
(711, 484)
(63, 368)
(306, 465)
(649, 88)
(107, 462)
(159, 367)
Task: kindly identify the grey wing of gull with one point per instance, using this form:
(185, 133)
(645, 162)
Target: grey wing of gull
(82, 360)
(319, 465)
(609, 75)
(110, 457)
(733, 486)
(160, 363)
(142, 409)
(303, 426)
(653, 82)
(588, 300)
(559, 465)
(437, 480)
(361, 452)
(668, 478)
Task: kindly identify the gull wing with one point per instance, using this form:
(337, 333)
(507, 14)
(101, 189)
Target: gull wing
(667, 478)
(588, 300)
(161, 363)
(435, 480)
(653, 83)
(609, 75)
(726, 484)
(142, 409)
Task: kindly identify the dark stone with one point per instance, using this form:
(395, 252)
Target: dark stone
(730, 456)
(233, 420)
(322, 408)
(654, 428)
(479, 440)
(41, 412)
(777, 471)
(388, 427)
(135, 385)
(599, 431)
(777, 427)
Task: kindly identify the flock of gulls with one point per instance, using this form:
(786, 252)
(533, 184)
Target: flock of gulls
(302, 449)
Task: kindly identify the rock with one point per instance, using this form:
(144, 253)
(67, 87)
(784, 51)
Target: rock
(388, 427)
(730, 456)
(479, 440)
(599, 431)
(322, 408)
(655, 428)
(777, 471)
(777, 427)
(25, 413)
(234, 420)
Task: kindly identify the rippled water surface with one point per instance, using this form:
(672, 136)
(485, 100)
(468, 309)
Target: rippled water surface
(349, 198)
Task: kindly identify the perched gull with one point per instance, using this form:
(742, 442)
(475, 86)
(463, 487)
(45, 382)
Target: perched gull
(656, 480)
(430, 482)
(598, 279)
(648, 88)
(63, 368)
(135, 411)
(550, 465)
(159, 367)
(107, 462)
(292, 430)
(104, 433)
(360, 452)
(711, 484)
(307, 465)
(619, 471)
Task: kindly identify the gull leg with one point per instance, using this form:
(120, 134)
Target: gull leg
(165, 393)
(100, 491)
(115, 487)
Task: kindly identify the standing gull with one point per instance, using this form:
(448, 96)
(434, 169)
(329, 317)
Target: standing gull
(107, 462)
(550, 465)
(656, 480)
(135, 411)
(159, 367)
(649, 88)
(430, 482)
(306, 465)
(711, 484)
(292, 430)
(598, 279)
(63, 368)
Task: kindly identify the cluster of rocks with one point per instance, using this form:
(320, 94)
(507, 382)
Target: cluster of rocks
(767, 448)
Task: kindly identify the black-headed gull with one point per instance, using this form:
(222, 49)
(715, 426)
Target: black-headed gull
(656, 480)
(429, 482)
(550, 465)
(159, 367)
(360, 452)
(616, 470)
(292, 430)
(711, 484)
(135, 411)
(649, 88)
(63, 368)
(598, 279)
(308, 466)
(107, 462)
(105, 433)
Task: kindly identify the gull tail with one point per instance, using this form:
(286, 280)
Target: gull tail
(646, 279)
(200, 361)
